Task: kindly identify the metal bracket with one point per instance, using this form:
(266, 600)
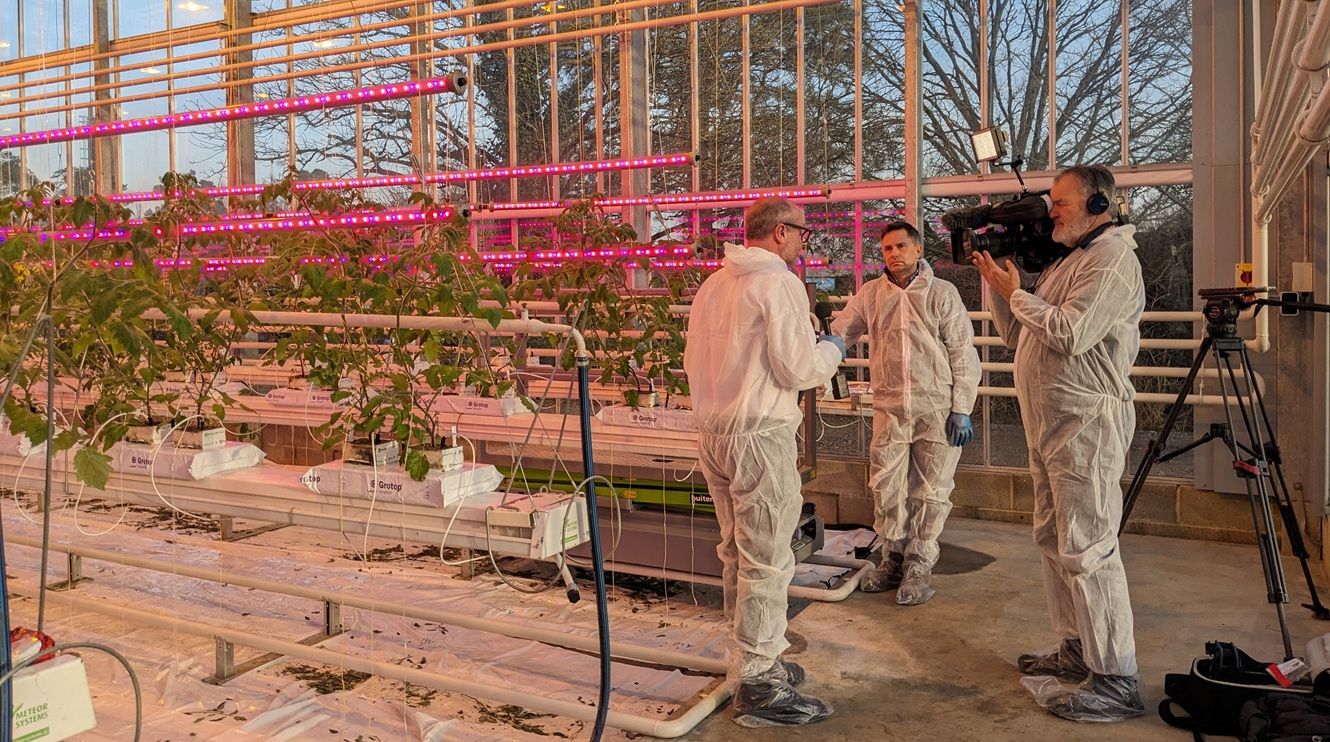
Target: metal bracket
(75, 574)
(468, 566)
(228, 532)
(225, 668)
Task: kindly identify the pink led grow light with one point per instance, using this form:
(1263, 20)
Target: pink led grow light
(356, 219)
(458, 176)
(452, 83)
(674, 198)
(557, 257)
(282, 224)
(667, 264)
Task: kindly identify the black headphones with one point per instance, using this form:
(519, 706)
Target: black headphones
(1097, 203)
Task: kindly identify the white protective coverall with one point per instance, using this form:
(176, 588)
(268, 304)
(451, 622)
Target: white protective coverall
(1076, 338)
(924, 366)
(750, 349)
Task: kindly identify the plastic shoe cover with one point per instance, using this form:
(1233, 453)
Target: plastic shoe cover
(1065, 662)
(917, 587)
(767, 700)
(793, 672)
(886, 577)
(1103, 698)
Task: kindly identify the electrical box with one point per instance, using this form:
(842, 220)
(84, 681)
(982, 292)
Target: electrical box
(51, 700)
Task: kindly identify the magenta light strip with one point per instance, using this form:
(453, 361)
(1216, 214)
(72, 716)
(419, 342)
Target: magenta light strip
(459, 176)
(288, 224)
(357, 219)
(850, 266)
(677, 198)
(605, 254)
(217, 264)
(453, 83)
(806, 262)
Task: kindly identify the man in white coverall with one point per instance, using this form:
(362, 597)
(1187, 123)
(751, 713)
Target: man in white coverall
(1076, 336)
(925, 374)
(751, 348)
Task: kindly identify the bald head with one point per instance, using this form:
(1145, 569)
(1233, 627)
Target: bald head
(762, 218)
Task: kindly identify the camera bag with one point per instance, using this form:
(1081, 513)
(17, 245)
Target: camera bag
(1210, 698)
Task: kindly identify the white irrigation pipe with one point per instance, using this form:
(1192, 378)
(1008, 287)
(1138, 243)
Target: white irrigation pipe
(477, 623)
(287, 503)
(667, 728)
(394, 322)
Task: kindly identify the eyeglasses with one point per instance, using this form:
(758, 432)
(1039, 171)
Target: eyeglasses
(805, 232)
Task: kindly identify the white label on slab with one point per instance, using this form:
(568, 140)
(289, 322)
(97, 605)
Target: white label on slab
(648, 417)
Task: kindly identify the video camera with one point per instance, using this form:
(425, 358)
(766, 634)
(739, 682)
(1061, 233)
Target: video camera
(1020, 228)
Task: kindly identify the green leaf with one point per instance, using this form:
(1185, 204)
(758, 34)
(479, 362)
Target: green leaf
(92, 467)
(416, 465)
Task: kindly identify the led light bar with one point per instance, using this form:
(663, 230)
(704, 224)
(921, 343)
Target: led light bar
(282, 224)
(453, 83)
(457, 176)
(667, 264)
(540, 256)
(355, 219)
(851, 266)
(673, 198)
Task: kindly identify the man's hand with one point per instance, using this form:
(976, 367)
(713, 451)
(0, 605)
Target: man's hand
(837, 341)
(960, 430)
(1004, 281)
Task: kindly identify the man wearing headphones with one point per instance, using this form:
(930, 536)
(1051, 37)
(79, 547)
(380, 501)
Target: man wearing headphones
(1076, 334)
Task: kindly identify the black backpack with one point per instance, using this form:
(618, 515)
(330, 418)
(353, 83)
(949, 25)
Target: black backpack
(1285, 717)
(1210, 698)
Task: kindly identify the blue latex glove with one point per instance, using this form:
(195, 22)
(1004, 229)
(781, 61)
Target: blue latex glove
(837, 341)
(959, 429)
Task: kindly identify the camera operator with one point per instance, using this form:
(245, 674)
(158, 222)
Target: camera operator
(1076, 335)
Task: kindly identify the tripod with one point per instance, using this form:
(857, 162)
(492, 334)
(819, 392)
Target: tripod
(1256, 461)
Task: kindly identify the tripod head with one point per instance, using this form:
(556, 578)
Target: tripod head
(1224, 305)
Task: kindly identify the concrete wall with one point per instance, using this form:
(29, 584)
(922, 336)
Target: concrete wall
(1165, 508)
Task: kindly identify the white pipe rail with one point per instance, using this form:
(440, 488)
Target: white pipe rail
(1193, 400)
(446, 618)
(1164, 372)
(1315, 54)
(1284, 141)
(667, 728)
(1274, 122)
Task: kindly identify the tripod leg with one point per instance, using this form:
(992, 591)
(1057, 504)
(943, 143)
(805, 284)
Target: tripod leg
(1254, 475)
(1157, 445)
(1293, 531)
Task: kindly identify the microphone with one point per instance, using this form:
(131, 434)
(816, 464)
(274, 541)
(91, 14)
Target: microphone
(822, 310)
(840, 388)
(966, 217)
(1024, 209)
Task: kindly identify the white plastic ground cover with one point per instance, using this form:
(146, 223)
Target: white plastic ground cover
(283, 701)
(171, 462)
(391, 484)
(650, 418)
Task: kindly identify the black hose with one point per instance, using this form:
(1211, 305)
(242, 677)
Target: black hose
(597, 563)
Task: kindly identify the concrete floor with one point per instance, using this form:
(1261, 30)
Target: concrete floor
(946, 670)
